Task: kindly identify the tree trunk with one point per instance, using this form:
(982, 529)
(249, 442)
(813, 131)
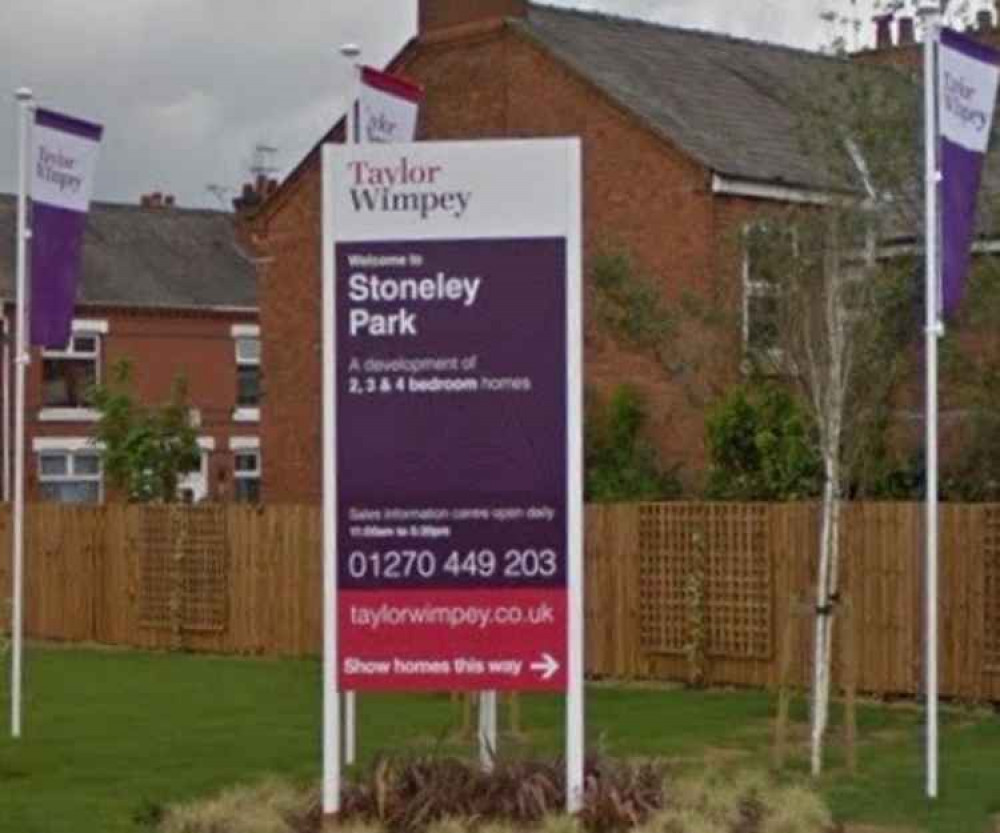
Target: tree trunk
(832, 590)
(820, 664)
(826, 585)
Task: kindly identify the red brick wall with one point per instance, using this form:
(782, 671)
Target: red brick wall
(441, 14)
(289, 296)
(161, 346)
(640, 194)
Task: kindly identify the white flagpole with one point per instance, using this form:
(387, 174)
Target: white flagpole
(487, 729)
(575, 741)
(331, 694)
(25, 109)
(6, 408)
(933, 332)
(352, 52)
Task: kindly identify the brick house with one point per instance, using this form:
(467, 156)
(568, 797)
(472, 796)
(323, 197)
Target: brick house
(172, 291)
(687, 136)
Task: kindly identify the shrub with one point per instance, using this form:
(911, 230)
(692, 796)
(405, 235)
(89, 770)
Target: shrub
(620, 464)
(631, 304)
(409, 796)
(762, 446)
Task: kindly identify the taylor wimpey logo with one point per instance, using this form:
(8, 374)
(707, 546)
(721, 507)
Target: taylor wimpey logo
(60, 170)
(959, 101)
(380, 128)
(404, 187)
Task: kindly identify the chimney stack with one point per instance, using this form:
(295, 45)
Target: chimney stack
(984, 20)
(437, 15)
(907, 32)
(157, 199)
(883, 31)
(254, 193)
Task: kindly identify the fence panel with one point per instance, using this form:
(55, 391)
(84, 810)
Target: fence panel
(611, 592)
(252, 578)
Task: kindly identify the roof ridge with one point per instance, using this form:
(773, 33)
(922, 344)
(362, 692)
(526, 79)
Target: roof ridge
(108, 205)
(707, 34)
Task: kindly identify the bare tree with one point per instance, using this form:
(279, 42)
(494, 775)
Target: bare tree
(833, 311)
(839, 296)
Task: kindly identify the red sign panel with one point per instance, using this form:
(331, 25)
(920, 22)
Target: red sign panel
(454, 639)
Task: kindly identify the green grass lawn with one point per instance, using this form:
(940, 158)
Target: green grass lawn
(110, 733)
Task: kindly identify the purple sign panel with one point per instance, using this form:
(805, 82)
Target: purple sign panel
(451, 448)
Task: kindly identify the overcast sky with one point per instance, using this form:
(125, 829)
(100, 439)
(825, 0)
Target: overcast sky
(187, 88)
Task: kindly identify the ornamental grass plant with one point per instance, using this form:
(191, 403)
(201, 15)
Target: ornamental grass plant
(433, 794)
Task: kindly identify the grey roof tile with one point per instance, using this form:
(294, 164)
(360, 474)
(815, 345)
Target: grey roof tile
(729, 103)
(150, 257)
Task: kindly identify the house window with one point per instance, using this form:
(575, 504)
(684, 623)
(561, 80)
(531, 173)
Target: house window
(193, 486)
(68, 375)
(247, 341)
(769, 249)
(70, 476)
(248, 372)
(762, 329)
(246, 476)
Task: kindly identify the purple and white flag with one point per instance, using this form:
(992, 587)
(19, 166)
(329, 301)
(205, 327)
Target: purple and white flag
(63, 159)
(968, 73)
(389, 107)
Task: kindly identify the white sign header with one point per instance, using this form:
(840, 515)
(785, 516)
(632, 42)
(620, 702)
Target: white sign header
(452, 190)
(63, 167)
(968, 91)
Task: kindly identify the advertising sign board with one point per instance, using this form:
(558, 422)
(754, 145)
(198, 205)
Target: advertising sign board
(452, 399)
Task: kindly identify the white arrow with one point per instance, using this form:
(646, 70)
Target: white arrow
(547, 667)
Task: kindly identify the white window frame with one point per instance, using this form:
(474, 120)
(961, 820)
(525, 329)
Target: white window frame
(248, 446)
(238, 332)
(98, 329)
(70, 447)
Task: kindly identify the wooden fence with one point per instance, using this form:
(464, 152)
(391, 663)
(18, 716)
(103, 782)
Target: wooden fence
(661, 579)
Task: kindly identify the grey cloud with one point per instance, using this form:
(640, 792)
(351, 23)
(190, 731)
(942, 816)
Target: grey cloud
(186, 88)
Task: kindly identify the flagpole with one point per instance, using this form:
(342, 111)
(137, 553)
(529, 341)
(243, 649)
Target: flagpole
(25, 102)
(352, 53)
(932, 334)
(5, 386)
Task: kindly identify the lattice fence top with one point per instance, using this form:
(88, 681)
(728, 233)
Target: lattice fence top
(721, 553)
(183, 564)
(991, 596)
